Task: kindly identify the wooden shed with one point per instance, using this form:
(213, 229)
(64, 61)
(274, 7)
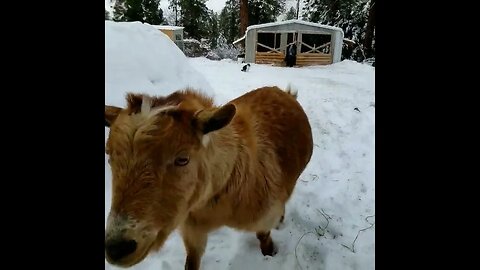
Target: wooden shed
(317, 44)
(175, 33)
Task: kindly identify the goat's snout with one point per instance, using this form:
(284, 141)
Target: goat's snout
(118, 249)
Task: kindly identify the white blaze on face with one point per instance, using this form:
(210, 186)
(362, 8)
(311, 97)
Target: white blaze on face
(146, 105)
(147, 113)
(205, 140)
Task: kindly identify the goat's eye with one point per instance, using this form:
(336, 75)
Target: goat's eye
(181, 161)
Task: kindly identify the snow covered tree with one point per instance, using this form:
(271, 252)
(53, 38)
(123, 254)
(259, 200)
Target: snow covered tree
(224, 49)
(291, 14)
(174, 6)
(369, 40)
(138, 10)
(119, 10)
(259, 11)
(329, 12)
(194, 17)
(352, 17)
(107, 15)
(153, 14)
(229, 21)
(128, 10)
(264, 11)
(213, 31)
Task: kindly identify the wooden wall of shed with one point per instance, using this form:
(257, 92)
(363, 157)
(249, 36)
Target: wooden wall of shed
(169, 33)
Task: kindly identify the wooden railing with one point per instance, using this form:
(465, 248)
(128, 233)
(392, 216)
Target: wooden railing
(315, 49)
(310, 59)
(276, 58)
(303, 59)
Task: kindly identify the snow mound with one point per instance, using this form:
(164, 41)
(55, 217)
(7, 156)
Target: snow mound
(140, 58)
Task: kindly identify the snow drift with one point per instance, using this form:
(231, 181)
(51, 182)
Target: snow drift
(140, 58)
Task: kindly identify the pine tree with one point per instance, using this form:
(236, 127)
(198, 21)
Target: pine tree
(352, 17)
(138, 10)
(199, 22)
(134, 11)
(259, 11)
(291, 14)
(153, 14)
(119, 10)
(213, 31)
(194, 18)
(368, 43)
(229, 21)
(264, 11)
(175, 7)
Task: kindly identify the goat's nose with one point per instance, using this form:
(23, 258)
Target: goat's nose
(118, 249)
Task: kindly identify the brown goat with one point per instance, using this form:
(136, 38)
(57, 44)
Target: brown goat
(181, 162)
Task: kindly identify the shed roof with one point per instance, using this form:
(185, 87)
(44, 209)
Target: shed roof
(257, 26)
(168, 27)
(240, 39)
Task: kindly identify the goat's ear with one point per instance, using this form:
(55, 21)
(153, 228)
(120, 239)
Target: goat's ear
(111, 113)
(214, 119)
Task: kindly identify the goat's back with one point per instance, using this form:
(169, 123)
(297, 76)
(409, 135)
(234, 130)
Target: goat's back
(278, 121)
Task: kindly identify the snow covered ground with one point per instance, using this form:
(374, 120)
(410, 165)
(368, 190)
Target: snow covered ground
(330, 217)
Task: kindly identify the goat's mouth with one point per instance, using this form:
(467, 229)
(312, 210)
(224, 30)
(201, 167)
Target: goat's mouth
(152, 243)
(142, 250)
(132, 259)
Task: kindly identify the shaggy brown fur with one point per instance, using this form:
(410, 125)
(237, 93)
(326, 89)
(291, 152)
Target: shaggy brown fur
(181, 162)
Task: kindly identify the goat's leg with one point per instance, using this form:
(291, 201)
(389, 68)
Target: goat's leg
(266, 243)
(195, 242)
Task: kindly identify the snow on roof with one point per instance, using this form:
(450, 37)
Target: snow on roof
(349, 41)
(294, 21)
(168, 27)
(240, 39)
